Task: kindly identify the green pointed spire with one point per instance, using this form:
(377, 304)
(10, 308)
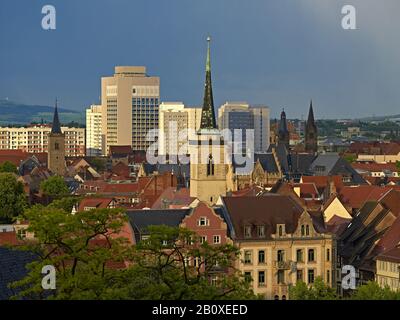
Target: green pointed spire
(207, 113)
(208, 63)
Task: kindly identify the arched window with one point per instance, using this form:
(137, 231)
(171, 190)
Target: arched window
(307, 230)
(302, 230)
(210, 166)
(56, 146)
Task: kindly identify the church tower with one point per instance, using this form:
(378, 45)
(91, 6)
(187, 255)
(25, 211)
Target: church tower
(311, 134)
(283, 132)
(207, 152)
(56, 147)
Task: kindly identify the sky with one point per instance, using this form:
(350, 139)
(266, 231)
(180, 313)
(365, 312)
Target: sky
(279, 53)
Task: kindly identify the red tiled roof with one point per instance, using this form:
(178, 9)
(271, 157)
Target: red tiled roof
(8, 238)
(307, 190)
(98, 203)
(356, 196)
(121, 188)
(374, 167)
(121, 150)
(174, 198)
(392, 255)
(322, 181)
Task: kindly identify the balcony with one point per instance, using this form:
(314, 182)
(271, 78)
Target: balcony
(282, 265)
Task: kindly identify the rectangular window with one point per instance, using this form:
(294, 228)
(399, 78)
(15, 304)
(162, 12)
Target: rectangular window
(203, 221)
(281, 255)
(261, 256)
(217, 239)
(281, 276)
(261, 231)
(299, 275)
(261, 278)
(328, 276)
(328, 255)
(247, 257)
(247, 231)
(310, 276)
(203, 239)
(299, 255)
(247, 276)
(311, 255)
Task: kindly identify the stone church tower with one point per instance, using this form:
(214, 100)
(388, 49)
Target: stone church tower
(311, 134)
(283, 132)
(208, 169)
(56, 147)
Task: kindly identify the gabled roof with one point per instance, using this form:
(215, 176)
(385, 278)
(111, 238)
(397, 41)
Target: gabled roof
(97, 203)
(140, 220)
(267, 211)
(392, 255)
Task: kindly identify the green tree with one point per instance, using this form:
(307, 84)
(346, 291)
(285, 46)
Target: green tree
(99, 164)
(12, 197)
(8, 166)
(317, 291)
(54, 187)
(372, 291)
(65, 203)
(83, 247)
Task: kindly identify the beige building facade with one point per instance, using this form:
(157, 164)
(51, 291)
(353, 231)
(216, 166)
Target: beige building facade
(177, 125)
(35, 139)
(130, 101)
(94, 140)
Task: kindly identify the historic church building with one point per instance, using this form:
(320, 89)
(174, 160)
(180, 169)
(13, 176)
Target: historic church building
(56, 147)
(208, 169)
(311, 134)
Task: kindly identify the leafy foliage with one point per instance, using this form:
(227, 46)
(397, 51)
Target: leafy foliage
(12, 197)
(317, 291)
(372, 291)
(93, 263)
(54, 187)
(8, 166)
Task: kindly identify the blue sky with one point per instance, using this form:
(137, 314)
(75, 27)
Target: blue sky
(275, 52)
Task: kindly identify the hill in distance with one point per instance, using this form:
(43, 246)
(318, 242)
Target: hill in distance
(14, 113)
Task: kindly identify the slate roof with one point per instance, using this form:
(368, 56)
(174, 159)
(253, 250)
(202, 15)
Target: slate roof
(267, 161)
(267, 210)
(12, 268)
(140, 220)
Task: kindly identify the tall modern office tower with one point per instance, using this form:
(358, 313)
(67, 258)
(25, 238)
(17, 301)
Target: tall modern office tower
(177, 125)
(94, 139)
(240, 115)
(208, 167)
(130, 101)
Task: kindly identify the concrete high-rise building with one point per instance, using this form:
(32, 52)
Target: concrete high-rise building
(56, 149)
(130, 101)
(35, 139)
(94, 141)
(240, 115)
(177, 126)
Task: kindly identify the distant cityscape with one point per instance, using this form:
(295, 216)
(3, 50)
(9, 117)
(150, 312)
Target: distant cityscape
(318, 205)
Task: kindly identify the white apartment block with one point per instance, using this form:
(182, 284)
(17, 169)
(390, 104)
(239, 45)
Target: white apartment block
(94, 140)
(34, 139)
(177, 125)
(240, 115)
(130, 101)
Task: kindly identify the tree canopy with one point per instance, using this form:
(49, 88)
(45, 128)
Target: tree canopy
(54, 187)
(8, 166)
(92, 262)
(12, 197)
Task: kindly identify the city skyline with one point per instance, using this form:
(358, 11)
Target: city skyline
(281, 54)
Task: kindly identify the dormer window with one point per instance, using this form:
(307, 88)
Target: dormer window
(203, 222)
(281, 230)
(302, 230)
(261, 231)
(307, 230)
(247, 231)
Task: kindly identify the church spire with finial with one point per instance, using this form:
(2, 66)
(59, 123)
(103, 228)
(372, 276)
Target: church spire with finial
(56, 128)
(207, 113)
